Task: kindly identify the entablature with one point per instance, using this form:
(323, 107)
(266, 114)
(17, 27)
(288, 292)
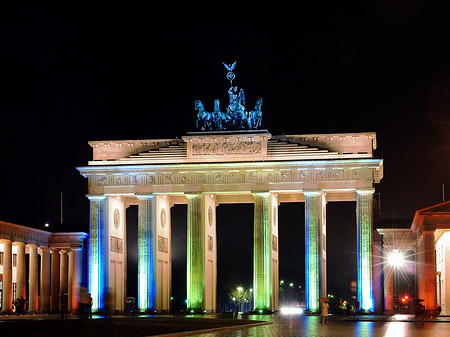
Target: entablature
(299, 175)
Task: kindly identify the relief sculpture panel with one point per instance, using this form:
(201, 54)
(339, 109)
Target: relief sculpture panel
(226, 148)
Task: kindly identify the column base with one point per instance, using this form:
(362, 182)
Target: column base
(7, 312)
(257, 311)
(195, 311)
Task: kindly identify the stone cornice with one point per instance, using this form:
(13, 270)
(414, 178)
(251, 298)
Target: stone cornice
(32, 236)
(23, 234)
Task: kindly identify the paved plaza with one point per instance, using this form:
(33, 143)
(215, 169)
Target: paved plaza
(223, 325)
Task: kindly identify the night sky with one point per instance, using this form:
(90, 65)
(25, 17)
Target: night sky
(71, 74)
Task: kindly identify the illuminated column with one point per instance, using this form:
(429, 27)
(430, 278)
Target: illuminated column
(377, 270)
(7, 277)
(63, 286)
(388, 291)
(33, 299)
(262, 253)
(54, 300)
(97, 265)
(315, 249)
(195, 249)
(21, 271)
(45, 280)
(145, 253)
(364, 210)
(427, 269)
(76, 277)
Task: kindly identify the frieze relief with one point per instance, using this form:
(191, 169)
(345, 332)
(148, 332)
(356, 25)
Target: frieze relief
(235, 177)
(226, 148)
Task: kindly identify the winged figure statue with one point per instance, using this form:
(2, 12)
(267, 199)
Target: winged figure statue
(229, 67)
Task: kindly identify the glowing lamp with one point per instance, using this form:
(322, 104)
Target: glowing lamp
(396, 259)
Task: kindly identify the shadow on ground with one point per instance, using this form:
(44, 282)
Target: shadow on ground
(115, 327)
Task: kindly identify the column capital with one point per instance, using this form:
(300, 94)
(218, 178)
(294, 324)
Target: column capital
(192, 195)
(54, 250)
(5, 241)
(32, 245)
(19, 243)
(145, 196)
(261, 193)
(313, 193)
(96, 196)
(63, 251)
(75, 249)
(366, 191)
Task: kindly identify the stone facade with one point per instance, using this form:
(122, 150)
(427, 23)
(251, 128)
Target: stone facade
(205, 169)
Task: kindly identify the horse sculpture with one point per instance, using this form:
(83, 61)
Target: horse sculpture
(218, 117)
(203, 121)
(255, 116)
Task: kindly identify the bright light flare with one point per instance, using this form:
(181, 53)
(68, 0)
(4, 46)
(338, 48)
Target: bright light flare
(396, 259)
(291, 311)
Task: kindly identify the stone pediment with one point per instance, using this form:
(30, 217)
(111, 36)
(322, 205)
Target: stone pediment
(229, 146)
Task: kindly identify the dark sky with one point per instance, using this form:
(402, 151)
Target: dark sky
(70, 74)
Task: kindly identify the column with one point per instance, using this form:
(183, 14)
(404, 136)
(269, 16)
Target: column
(21, 284)
(377, 263)
(427, 269)
(63, 275)
(54, 300)
(74, 279)
(262, 254)
(145, 253)
(364, 211)
(7, 277)
(98, 265)
(70, 281)
(315, 249)
(388, 291)
(45, 280)
(195, 249)
(33, 296)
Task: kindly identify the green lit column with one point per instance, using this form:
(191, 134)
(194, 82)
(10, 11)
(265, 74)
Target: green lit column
(145, 252)
(262, 258)
(315, 249)
(195, 250)
(364, 210)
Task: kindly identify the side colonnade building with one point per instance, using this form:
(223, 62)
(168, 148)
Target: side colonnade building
(428, 240)
(206, 169)
(55, 266)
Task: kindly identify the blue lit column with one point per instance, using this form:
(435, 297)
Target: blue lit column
(364, 210)
(145, 252)
(315, 249)
(97, 245)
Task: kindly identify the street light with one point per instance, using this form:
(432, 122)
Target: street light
(396, 259)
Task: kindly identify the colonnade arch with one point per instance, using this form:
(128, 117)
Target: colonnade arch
(204, 170)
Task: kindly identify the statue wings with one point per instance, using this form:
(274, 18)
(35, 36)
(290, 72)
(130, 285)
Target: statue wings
(229, 67)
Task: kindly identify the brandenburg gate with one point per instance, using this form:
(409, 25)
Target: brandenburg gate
(204, 170)
(228, 161)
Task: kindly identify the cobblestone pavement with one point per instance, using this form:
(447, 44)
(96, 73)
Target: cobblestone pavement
(284, 326)
(222, 325)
